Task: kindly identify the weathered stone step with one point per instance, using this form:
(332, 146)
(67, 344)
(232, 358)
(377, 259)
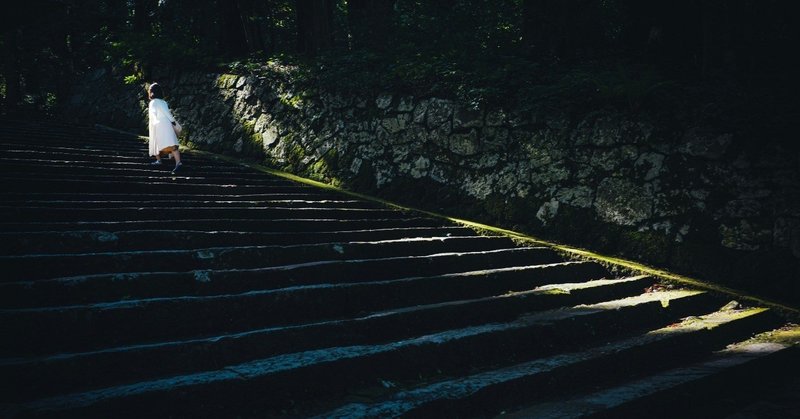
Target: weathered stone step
(56, 127)
(488, 393)
(133, 155)
(43, 134)
(87, 138)
(113, 147)
(145, 202)
(245, 312)
(74, 137)
(60, 132)
(17, 214)
(166, 184)
(79, 149)
(210, 224)
(189, 175)
(37, 242)
(138, 157)
(73, 152)
(309, 194)
(130, 170)
(290, 378)
(112, 287)
(100, 158)
(714, 387)
(112, 165)
(86, 327)
(43, 266)
(77, 153)
(38, 377)
(52, 127)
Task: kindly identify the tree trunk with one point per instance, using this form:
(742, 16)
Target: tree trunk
(370, 22)
(532, 24)
(545, 25)
(250, 27)
(143, 11)
(12, 73)
(233, 41)
(314, 25)
(707, 60)
(63, 50)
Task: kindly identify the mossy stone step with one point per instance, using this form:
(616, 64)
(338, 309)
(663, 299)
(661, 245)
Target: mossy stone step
(717, 386)
(20, 243)
(11, 213)
(111, 287)
(308, 194)
(108, 143)
(488, 393)
(336, 369)
(45, 266)
(166, 184)
(225, 291)
(135, 160)
(36, 377)
(188, 174)
(57, 205)
(83, 327)
(211, 224)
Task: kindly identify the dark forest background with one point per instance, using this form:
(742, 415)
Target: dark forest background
(633, 53)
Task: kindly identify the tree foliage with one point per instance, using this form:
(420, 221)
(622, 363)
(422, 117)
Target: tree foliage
(477, 49)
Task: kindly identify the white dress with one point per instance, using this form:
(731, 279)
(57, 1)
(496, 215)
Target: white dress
(162, 135)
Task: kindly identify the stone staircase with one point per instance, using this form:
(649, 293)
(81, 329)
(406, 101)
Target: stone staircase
(225, 291)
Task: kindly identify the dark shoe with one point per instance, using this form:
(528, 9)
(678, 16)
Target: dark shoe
(156, 163)
(177, 168)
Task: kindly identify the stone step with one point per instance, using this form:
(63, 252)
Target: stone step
(290, 378)
(16, 214)
(112, 287)
(100, 153)
(716, 386)
(138, 160)
(108, 143)
(62, 157)
(87, 135)
(56, 205)
(210, 224)
(20, 143)
(43, 152)
(71, 155)
(85, 241)
(211, 169)
(189, 175)
(40, 376)
(165, 184)
(224, 291)
(109, 146)
(93, 326)
(103, 153)
(309, 195)
(488, 393)
(44, 266)
(56, 127)
(65, 163)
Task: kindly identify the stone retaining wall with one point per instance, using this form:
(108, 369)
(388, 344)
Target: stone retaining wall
(695, 199)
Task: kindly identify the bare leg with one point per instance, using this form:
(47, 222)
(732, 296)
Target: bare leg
(177, 155)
